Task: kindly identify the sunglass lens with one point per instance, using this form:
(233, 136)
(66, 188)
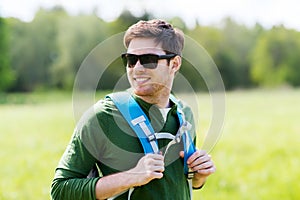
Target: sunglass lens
(129, 59)
(124, 59)
(149, 61)
(132, 60)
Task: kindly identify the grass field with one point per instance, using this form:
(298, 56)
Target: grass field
(257, 156)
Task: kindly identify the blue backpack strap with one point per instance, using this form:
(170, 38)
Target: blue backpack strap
(188, 143)
(137, 120)
(141, 125)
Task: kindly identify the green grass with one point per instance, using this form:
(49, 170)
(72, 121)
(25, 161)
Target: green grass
(257, 156)
(33, 135)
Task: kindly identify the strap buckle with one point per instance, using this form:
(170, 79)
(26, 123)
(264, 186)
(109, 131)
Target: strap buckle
(190, 175)
(151, 137)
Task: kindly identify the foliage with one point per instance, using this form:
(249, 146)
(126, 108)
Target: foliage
(275, 61)
(76, 37)
(229, 47)
(237, 43)
(48, 51)
(6, 74)
(33, 49)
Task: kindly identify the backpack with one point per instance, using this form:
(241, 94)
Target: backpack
(140, 124)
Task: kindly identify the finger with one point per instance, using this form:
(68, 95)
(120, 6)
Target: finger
(158, 169)
(200, 160)
(152, 161)
(155, 156)
(158, 163)
(157, 175)
(154, 168)
(207, 171)
(181, 154)
(198, 155)
(205, 165)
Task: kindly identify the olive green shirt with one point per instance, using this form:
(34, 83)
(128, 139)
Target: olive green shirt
(104, 138)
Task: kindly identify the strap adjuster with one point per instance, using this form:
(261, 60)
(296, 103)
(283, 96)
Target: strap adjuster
(151, 137)
(190, 175)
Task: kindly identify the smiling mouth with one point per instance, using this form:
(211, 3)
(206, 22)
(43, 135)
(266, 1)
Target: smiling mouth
(141, 80)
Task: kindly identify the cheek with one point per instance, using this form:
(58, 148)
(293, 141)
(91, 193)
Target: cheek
(165, 73)
(129, 74)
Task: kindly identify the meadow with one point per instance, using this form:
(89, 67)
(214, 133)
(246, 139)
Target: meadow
(257, 155)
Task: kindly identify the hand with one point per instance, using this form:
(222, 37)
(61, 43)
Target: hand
(149, 167)
(200, 163)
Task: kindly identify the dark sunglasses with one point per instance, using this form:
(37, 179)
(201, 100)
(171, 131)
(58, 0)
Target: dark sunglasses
(149, 61)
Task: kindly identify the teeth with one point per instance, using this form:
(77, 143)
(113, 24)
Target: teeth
(141, 79)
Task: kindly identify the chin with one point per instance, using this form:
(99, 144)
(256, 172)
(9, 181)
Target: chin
(144, 91)
(150, 89)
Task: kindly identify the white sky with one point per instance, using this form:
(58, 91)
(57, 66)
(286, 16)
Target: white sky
(266, 12)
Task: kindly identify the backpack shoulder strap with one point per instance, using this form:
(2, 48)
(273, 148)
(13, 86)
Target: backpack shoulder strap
(141, 125)
(188, 143)
(137, 120)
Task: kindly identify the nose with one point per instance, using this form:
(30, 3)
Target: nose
(139, 66)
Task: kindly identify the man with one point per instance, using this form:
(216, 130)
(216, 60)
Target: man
(104, 138)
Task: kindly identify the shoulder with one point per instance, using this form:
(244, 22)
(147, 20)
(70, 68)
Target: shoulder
(181, 104)
(99, 111)
(186, 108)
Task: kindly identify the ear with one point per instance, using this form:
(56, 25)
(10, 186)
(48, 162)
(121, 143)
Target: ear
(175, 63)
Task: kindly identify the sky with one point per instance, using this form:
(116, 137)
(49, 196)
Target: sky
(208, 12)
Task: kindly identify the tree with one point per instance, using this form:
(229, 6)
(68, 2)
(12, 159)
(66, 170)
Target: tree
(238, 41)
(210, 39)
(6, 73)
(229, 45)
(33, 49)
(275, 59)
(125, 20)
(77, 36)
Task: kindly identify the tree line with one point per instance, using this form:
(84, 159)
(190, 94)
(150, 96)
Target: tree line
(47, 52)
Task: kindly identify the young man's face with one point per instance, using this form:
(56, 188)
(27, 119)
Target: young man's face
(150, 82)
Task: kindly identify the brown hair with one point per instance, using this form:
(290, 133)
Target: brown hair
(171, 39)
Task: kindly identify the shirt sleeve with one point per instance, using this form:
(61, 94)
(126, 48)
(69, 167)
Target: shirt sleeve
(70, 181)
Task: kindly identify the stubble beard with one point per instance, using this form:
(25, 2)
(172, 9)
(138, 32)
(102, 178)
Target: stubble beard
(153, 92)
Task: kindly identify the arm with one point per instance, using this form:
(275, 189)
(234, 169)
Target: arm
(70, 180)
(149, 167)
